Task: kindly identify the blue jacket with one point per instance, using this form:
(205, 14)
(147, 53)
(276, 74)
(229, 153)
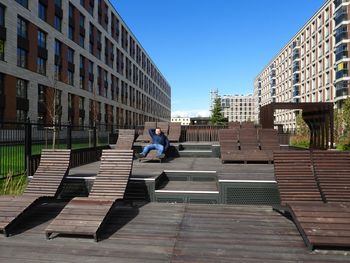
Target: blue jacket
(159, 139)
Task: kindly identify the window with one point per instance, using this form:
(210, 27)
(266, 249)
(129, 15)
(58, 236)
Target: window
(41, 65)
(23, 3)
(57, 72)
(81, 63)
(82, 21)
(81, 103)
(42, 11)
(91, 67)
(81, 82)
(41, 39)
(58, 23)
(41, 93)
(70, 56)
(21, 115)
(21, 27)
(2, 84)
(71, 78)
(2, 50)
(21, 88)
(57, 48)
(81, 40)
(2, 15)
(58, 3)
(71, 11)
(71, 32)
(21, 58)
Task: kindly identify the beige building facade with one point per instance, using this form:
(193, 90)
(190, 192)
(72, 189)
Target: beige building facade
(312, 67)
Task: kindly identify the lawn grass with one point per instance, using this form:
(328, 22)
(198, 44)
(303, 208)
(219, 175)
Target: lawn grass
(12, 157)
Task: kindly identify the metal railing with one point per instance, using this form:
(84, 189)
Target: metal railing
(21, 144)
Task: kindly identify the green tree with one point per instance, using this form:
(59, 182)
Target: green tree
(302, 128)
(346, 116)
(338, 125)
(217, 117)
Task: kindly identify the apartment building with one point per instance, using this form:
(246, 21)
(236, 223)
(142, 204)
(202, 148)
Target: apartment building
(76, 61)
(234, 107)
(238, 108)
(312, 67)
(183, 120)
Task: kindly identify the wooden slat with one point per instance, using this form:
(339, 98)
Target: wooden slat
(46, 181)
(85, 215)
(327, 225)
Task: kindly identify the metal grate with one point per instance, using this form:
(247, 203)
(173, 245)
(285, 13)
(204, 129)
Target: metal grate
(251, 196)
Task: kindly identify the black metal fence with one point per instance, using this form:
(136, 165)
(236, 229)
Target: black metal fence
(21, 144)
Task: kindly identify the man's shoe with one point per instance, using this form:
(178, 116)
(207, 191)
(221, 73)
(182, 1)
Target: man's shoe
(140, 155)
(161, 156)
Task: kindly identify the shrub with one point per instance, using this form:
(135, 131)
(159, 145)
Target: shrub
(299, 141)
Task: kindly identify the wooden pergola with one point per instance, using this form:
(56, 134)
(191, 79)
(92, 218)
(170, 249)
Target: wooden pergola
(317, 115)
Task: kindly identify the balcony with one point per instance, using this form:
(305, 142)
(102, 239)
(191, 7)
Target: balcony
(295, 44)
(341, 15)
(341, 55)
(296, 92)
(296, 68)
(273, 92)
(342, 73)
(341, 34)
(337, 3)
(296, 55)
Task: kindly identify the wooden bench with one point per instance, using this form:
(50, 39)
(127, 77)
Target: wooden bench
(46, 183)
(86, 215)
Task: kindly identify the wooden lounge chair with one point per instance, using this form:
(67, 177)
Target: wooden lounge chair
(229, 150)
(322, 176)
(164, 126)
(327, 224)
(125, 139)
(145, 137)
(86, 215)
(295, 178)
(152, 156)
(249, 146)
(46, 183)
(174, 131)
(234, 124)
(268, 142)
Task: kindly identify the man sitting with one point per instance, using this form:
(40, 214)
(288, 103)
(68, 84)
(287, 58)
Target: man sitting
(159, 142)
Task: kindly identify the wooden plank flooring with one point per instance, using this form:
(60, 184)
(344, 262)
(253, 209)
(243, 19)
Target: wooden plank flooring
(163, 232)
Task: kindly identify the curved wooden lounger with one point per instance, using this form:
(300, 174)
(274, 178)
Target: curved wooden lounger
(46, 183)
(86, 215)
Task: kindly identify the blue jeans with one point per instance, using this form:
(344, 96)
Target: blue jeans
(158, 147)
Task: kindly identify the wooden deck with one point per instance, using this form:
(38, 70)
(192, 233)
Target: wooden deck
(158, 232)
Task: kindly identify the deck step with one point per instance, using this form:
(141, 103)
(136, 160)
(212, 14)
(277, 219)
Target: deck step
(196, 153)
(187, 187)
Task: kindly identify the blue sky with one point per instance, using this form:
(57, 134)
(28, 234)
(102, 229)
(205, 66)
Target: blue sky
(199, 45)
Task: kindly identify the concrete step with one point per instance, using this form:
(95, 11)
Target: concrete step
(196, 153)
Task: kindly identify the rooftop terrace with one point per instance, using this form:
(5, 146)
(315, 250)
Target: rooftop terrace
(173, 232)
